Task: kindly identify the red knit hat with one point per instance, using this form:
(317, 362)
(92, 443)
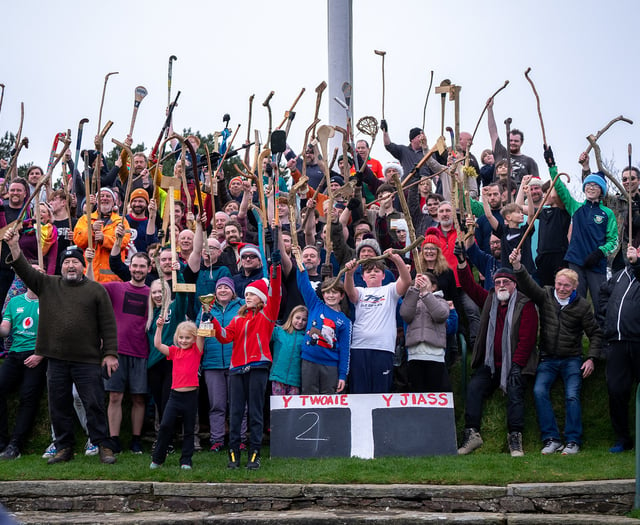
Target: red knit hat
(259, 288)
(432, 236)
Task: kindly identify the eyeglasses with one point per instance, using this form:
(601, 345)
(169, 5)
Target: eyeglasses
(249, 256)
(592, 186)
(503, 282)
(626, 179)
(425, 249)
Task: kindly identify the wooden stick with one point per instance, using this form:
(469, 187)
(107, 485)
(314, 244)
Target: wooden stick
(535, 216)
(544, 136)
(424, 111)
(506, 83)
(104, 91)
(382, 54)
(417, 261)
(288, 113)
(605, 128)
(598, 155)
(402, 251)
(630, 197)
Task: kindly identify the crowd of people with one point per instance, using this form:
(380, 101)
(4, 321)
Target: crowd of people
(305, 278)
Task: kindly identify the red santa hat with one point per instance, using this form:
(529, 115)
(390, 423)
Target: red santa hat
(259, 288)
(249, 248)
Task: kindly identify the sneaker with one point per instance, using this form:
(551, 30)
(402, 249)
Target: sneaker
(90, 449)
(50, 451)
(471, 440)
(11, 452)
(234, 459)
(196, 443)
(184, 466)
(514, 440)
(106, 455)
(171, 449)
(155, 465)
(621, 446)
(136, 447)
(66, 454)
(216, 447)
(550, 446)
(571, 448)
(254, 460)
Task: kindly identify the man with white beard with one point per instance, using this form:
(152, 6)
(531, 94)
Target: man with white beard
(502, 354)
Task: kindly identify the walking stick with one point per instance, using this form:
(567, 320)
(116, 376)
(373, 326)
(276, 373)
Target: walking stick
(319, 90)
(506, 83)
(246, 153)
(424, 111)
(288, 113)
(140, 93)
(507, 123)
(104, 90)
(630, 197)
(544, 137)
(267, 104)
(324, 134)
(382, 54)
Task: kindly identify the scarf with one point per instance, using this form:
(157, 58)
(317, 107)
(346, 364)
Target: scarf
(506, 339)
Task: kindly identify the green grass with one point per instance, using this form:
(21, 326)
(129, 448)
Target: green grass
(480, 468)
(491, 465)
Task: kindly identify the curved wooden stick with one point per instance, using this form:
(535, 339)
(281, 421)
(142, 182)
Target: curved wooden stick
(424, 111)
(596, 152)
(506, 83)
(544, 136)
(385, 255)
(104, 91)
(290, 111)
(604, 129)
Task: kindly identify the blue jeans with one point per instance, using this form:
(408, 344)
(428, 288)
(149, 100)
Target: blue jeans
(569, 370)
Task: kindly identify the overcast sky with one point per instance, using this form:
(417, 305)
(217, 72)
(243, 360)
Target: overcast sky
(582, 54)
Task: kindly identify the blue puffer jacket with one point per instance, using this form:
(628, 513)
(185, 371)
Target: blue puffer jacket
(216, 355)
(286, 356)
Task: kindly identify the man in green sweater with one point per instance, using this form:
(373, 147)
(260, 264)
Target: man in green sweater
(77, 334)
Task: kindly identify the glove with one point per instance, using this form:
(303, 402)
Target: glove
(593, 259)
(359, 178)
(548, 157)
(326, 271)
(383, 126)
(353, 204)
(276, 258)
(460, 252)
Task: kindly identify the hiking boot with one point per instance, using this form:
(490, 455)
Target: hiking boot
(254, 460)
(66, 454)
(471, 440)
(621, 446)
(234, 459)
(50, 451)
(11, 452)
(514, 440)
(550, 446)
(571, 448)
(216, 447)
(106, 455)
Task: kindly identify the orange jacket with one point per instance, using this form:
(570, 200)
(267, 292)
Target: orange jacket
(101, 271)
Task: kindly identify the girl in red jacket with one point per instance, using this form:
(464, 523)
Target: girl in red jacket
(250, 331)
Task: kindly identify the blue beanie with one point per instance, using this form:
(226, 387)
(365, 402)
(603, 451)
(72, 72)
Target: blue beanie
(596, 178)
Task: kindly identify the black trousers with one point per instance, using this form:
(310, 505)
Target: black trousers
(61, 375)
(247, 389)
(183, 404)
(15, 375)
(482, 384)
(623, 369)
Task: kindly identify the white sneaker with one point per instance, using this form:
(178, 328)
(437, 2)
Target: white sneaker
(550, 446)
(50, 451)
(571, 448)
(90, 449)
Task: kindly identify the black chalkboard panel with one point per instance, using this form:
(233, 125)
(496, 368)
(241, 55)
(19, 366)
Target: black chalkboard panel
(413, 431)
(305, 433)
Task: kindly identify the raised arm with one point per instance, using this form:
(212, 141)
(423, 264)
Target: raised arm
(491, 121)
(349, 285)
